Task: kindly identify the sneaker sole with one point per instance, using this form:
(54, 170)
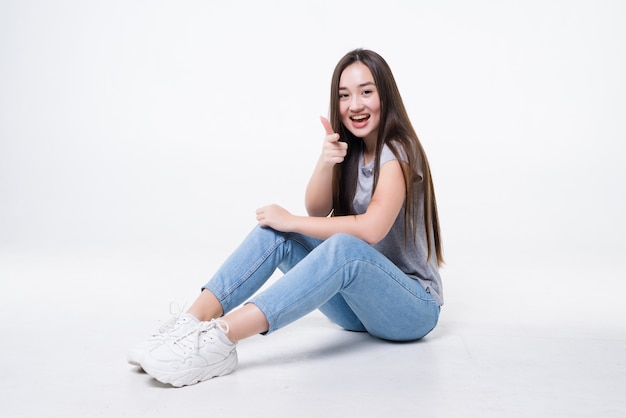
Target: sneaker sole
(134, 356)
(133, 359)
(193, 376)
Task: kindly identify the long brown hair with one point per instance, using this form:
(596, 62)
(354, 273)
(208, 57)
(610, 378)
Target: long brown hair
(396, 131)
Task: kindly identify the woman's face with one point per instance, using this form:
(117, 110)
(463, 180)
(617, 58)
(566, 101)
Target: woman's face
(359, 103)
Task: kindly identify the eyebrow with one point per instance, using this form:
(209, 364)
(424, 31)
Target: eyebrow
(369, 83)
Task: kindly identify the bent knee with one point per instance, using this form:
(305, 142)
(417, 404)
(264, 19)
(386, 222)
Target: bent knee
(343, 240)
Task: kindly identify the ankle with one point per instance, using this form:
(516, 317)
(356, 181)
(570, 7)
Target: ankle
(206, 307)
(200, 316)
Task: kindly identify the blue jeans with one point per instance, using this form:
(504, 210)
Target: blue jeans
(348, 280)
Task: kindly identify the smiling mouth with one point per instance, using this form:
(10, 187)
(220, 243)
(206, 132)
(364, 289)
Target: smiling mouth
(359, 118)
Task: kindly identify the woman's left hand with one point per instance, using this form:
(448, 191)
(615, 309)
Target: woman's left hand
(275, 217)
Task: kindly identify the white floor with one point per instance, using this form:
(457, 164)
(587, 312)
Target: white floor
(511, 351)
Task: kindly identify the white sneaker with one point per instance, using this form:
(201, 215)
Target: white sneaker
(200, 355)
(174, 328)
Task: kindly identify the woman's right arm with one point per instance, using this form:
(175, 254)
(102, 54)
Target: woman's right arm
(319, 192)
(318, 199)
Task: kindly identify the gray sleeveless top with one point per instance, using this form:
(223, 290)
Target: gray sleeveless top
(410, 258)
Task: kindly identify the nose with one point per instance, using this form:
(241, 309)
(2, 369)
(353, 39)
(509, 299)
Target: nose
(355, 102)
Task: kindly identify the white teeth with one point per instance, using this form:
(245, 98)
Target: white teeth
(359, 117)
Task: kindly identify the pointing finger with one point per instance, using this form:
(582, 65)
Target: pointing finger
(327, 127)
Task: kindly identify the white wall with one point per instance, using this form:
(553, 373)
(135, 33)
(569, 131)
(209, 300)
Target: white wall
(160, 126)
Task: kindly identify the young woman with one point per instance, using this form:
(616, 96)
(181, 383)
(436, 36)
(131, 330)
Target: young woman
(367, 255)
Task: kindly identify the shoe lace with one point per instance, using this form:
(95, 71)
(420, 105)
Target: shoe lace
(192, 341)
(175, 311)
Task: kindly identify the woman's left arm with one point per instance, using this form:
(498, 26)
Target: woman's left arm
(371, 226)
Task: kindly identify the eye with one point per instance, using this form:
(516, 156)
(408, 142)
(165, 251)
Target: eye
(367, 92)
(343, 96)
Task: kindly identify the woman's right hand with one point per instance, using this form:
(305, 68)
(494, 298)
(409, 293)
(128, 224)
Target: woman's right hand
(333, 150)
(318, 198)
